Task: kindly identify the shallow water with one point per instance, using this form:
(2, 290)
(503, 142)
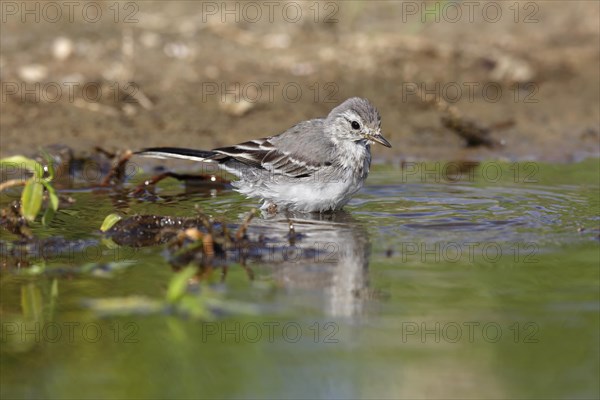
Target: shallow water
(481, 284)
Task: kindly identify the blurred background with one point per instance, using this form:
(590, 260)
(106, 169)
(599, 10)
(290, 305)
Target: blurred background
(525, 75)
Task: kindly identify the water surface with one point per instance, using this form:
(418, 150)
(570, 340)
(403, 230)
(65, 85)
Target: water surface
(427, 286)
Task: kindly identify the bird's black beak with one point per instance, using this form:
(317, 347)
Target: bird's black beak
(380, 139)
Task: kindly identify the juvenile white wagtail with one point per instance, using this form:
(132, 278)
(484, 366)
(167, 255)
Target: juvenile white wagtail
(314, 166)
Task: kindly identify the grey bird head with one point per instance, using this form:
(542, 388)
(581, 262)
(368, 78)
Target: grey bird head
(356, 120)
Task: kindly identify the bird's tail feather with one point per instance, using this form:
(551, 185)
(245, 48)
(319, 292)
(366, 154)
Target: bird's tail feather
(176, 152)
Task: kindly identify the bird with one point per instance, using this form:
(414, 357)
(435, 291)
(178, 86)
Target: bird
(315, 166)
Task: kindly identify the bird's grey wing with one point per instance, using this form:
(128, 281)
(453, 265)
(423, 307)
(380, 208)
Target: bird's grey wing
(297, 152)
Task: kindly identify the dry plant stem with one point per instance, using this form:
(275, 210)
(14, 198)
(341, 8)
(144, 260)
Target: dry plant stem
(154, 180)
(118, 170)
(241, 232)
(105, 152)
(12, 183)
(471, 131)
(208, 247)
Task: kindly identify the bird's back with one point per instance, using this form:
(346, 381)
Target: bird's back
(306, 134)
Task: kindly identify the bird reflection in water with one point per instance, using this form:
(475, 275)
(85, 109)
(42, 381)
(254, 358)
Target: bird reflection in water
(325, 252)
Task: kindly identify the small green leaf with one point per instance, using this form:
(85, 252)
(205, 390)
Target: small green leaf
(132, 305)
(32, 302)
(51, 195)
(53, 299)
(54, 290)
(48, 216)
(109, 243)
(178, 284)
(26, 163)
(31, 199)
(110, 221)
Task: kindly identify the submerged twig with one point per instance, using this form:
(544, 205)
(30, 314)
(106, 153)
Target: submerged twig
(118, 171)
(241, 232)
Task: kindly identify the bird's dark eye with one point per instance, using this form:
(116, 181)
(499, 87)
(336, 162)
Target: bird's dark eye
(355, 125)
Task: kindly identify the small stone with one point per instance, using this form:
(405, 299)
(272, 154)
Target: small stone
(33, 72)
(177, 50)
(303, 69)
(236, 107)
(62, 48)
(129, 109)
(510, 69)
(277, 41)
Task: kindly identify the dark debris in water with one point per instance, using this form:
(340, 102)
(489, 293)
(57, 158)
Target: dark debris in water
(150, 230)
(199, 240)
(99, 168)
(12, 220)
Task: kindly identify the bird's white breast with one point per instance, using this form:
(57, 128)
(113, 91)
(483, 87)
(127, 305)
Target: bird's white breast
(328, 189)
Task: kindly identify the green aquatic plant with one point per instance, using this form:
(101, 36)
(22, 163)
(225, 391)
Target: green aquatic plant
(185, 297)
(109, 221)
(34, 186)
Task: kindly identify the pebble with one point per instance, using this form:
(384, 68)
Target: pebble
(33, 73)
(177, 50)
(62, 48)
(277, 41)
(236, 108)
